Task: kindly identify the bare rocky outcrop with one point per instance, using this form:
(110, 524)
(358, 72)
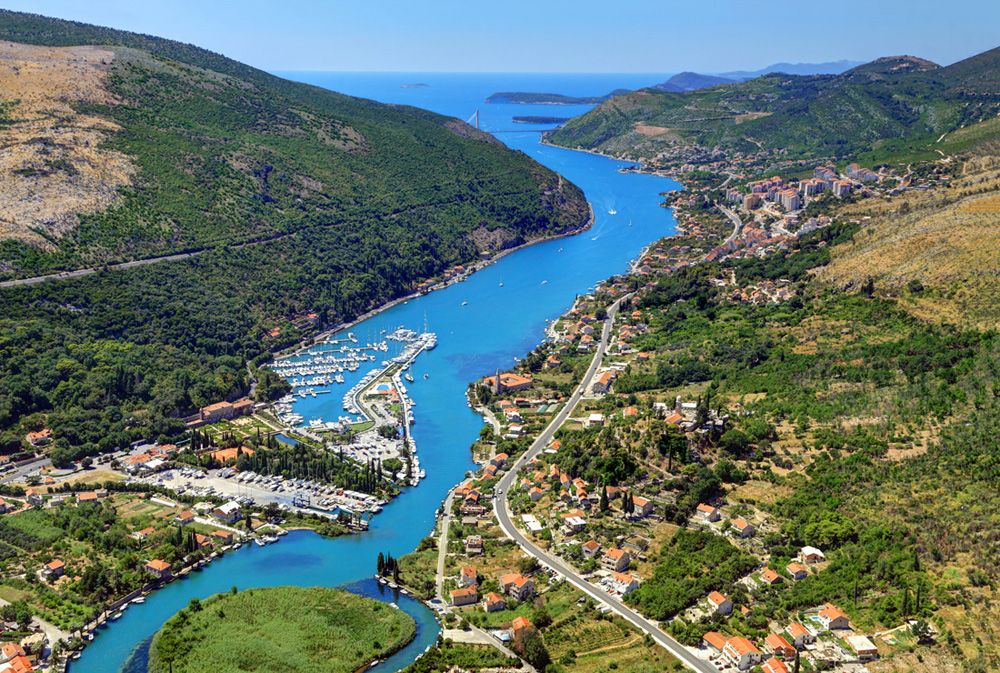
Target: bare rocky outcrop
(52, 165)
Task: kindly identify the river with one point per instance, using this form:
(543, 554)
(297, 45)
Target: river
(482, 324)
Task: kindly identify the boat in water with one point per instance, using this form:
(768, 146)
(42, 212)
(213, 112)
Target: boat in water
(612, 212)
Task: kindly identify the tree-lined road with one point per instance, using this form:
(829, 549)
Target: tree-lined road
(503, 513)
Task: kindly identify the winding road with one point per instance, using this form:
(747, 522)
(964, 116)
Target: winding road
(735, 219)
(503, 513)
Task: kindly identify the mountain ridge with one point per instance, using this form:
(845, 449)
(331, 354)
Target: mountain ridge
(888, 105)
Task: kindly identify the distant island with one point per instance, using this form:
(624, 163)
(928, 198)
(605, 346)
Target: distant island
(415, 85)
(291, 629)
(539, 119)
(527, 98)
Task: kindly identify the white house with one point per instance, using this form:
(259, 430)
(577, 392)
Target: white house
(743, 527)
(832, 618)
(708, 513)
(228, 512)
(863, 647)
(624, 583)
(741, 653)
(720, 604)
(616, 559)
(811, 555)
(801, 636)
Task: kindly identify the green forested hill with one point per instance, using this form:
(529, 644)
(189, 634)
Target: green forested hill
(351, 203)
(226, 153)
(877, 107)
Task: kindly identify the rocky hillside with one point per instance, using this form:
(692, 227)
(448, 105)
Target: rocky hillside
(128, 146)
(302, 208)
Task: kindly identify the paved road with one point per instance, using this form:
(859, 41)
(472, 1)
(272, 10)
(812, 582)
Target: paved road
(77, 273)
(735, 219)
(52, 632)
(21, 473)
(571, 575)
(443, 544)
(476, 635)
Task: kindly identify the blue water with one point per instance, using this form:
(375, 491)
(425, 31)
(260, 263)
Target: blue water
(300, 552)
(286, 439)
(497, 325)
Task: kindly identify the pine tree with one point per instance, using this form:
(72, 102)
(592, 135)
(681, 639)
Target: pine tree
(381, 563)
(604, 498)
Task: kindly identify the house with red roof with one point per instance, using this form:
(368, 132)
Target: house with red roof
(40, 437)
(603, 383)
(714, 640)
(517, 586)
(719, 603)
(770, 577)
(616, 559)
(507, 382)
(832, 618)
(774, 665)
(141, 535)
(741, 653)
(591, 548)
(53, 570)
(159, 569)
(468, 576)
(707, 512)
(520, 625)
(18, 664)
(643, 506)
(797, 570)
(778, 646)
(465, 596)
(743, 527)
(800, 635)
(10, 650)
(623, 583)
(493, 602)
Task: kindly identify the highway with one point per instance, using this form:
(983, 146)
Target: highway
(509, 480)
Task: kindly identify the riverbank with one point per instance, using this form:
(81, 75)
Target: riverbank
(510, 299)
(473, 268)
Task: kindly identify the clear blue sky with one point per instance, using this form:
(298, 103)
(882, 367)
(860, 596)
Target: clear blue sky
(549, 35)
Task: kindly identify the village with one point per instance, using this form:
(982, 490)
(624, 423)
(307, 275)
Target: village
(173, 510)
(609, 533)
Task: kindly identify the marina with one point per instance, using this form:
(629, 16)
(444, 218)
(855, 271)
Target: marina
(378, 399)
(499, 323)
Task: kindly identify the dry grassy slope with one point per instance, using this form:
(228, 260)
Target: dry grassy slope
(947, 239)
(51, 166)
